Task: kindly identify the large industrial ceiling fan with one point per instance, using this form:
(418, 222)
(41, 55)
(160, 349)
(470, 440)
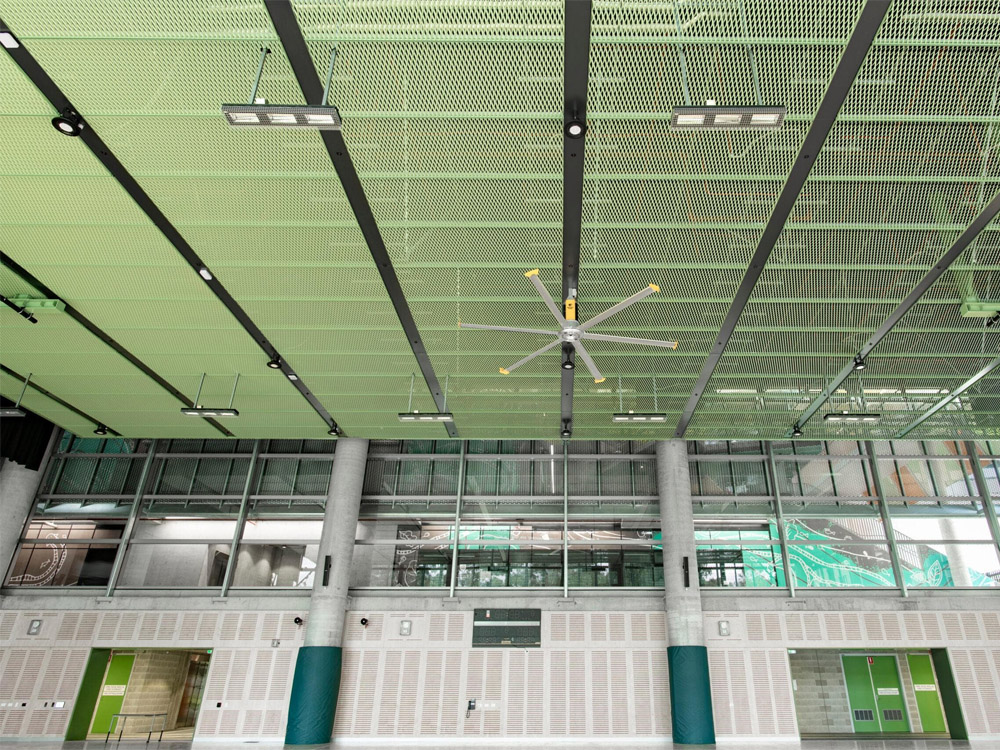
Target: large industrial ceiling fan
(572, 332)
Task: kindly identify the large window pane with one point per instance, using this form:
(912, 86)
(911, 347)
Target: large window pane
(184, 528)
(737, 566)
(279, 565)
(174, 565)
(510, 566)
(841, 565)
(58, 563)
(945, 565)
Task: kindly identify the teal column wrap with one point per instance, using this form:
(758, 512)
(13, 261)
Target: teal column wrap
(313, 704)
(690, 695)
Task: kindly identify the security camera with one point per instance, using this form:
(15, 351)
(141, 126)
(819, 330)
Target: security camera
(297, 620)
(364, 622)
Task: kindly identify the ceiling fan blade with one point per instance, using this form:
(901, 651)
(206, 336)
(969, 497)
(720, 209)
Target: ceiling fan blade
(598, 378)
(533, 278)
(506, 328)
(628, 340)
(507, 371)
(651, 289)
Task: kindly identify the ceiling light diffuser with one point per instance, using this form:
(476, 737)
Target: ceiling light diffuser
(845, 416)
(727, 118)
(282, 116)
(414, 416)
(631, 417)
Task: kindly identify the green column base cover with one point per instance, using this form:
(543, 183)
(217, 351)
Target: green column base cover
(313, 704)
(690, 695)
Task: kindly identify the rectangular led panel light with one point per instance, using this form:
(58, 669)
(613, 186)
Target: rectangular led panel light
(282, 116)
(844, 416)
(207, 411)
(630, 417)
(10, 411)
(415, 416)
(727, 118)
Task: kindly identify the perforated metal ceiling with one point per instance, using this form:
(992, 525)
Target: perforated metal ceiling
(453, 116)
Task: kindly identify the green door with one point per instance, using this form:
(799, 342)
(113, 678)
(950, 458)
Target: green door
(889, 694)
(875, 694)
(112, 692)
(861, 695)
(926, 693)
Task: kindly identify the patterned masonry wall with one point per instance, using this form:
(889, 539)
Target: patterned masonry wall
(607, 666)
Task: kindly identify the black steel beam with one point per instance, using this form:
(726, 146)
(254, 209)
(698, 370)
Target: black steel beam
(951, 397)
(58, 400)
(87, 323)
(843, 78)
(576, 70)
(290, 34)
(44, 83)
(954, 252)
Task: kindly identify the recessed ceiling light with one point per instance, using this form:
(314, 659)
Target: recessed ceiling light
(282, 116)
(727, 118)
(205, 274)
(292, 376)
(8, 41)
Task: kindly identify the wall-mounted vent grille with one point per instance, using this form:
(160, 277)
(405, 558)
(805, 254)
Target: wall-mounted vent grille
(864, 714)
(892, 714)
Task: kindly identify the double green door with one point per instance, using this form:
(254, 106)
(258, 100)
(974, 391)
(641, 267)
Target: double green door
(875, 694)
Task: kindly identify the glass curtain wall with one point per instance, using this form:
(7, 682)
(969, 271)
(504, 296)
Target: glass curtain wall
(222, 515)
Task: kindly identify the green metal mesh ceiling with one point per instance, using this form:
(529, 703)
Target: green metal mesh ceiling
(453, 117)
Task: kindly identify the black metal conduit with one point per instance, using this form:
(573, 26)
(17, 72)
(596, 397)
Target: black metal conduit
(290, 34)
(843, 78)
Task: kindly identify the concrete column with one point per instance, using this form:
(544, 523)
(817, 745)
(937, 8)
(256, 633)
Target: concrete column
(18, 487)
(316, 684)
(687, 658)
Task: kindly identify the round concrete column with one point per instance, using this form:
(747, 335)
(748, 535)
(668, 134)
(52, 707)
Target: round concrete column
(687, 658)
(313, 703)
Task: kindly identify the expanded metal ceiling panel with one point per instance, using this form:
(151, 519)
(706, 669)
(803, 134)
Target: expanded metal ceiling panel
(453, 114)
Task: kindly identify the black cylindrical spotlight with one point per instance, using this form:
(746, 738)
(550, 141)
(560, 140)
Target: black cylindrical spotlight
(796, 431)
(101, 430)
(274, 364)
(335, 431)
(575, 129)
(567, 363)
(68, 123)
(567, 429)
(859, 364)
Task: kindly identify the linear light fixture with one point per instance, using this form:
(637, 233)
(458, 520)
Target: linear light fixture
(846, 416)
(209, 411)
(282, 116)
(633, 417)
(16, 410)
(727, 118)
(257, 113)
(206, 411)
(416, 416)
(8, 40)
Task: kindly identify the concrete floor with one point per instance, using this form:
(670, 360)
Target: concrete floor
(900, 744)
